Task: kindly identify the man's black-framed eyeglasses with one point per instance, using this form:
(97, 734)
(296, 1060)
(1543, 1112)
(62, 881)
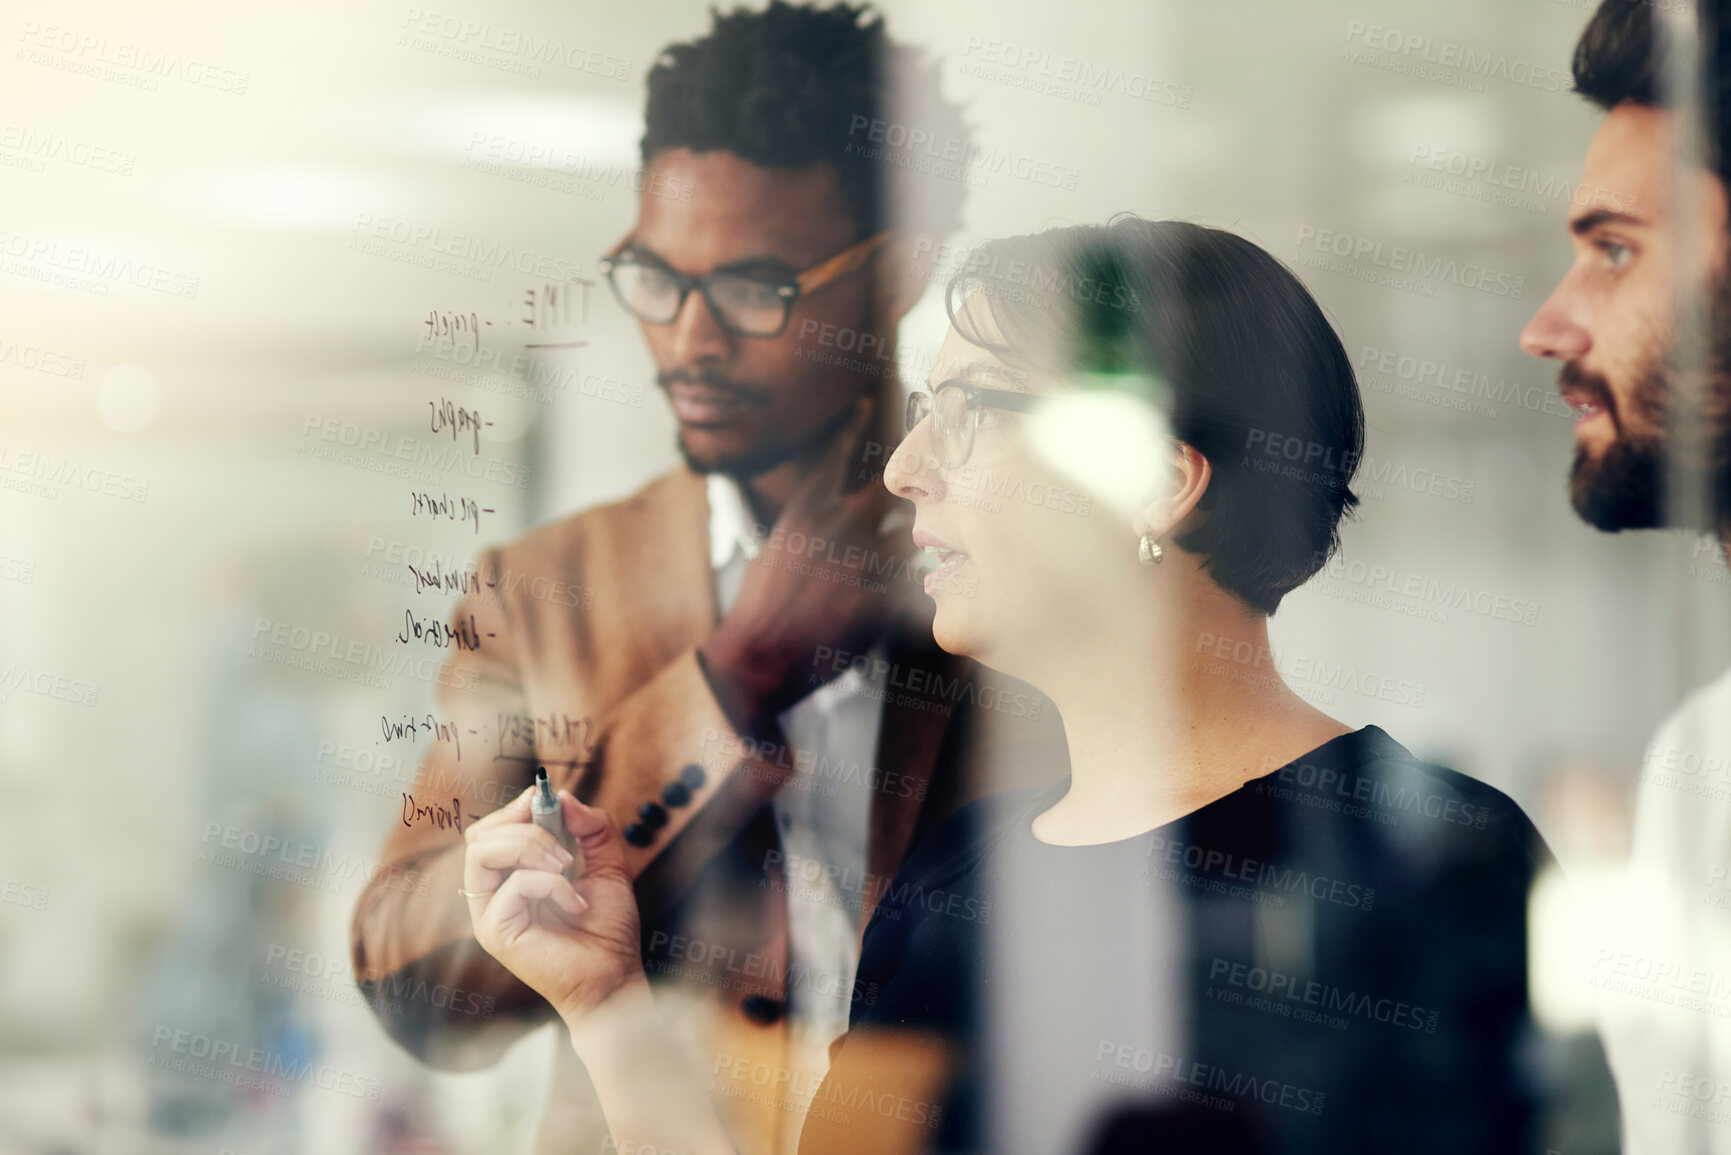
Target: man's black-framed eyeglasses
(954, 407)
(743, 304)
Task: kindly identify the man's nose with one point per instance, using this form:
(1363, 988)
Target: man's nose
(1554, 331)
(697, 335)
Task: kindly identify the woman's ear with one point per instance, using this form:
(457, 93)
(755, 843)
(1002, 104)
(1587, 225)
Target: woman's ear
(1188, 481)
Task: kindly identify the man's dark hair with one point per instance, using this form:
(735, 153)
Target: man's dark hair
(791, 87)
(1244, 360)
(1623, 56)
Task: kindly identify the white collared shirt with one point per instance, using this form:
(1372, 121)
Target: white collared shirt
(822, 813)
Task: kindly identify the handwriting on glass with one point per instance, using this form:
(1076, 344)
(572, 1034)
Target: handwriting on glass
(434, 577)
(412, 727)
(442, 817)
(447, 414)
(532, 736)
(454, 327)
(545, 308)
(549, 307)
(462, 633)
(445, 506)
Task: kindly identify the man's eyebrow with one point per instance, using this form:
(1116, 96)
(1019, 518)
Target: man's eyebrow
(638, 249)
(760, 262)
(1587, 222)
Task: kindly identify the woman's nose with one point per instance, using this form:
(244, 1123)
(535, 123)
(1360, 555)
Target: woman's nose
(913, 470)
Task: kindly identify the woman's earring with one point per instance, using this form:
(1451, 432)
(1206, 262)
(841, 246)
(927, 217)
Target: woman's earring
(1149, 550)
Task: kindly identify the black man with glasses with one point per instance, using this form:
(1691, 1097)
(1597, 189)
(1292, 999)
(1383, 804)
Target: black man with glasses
(735, 663)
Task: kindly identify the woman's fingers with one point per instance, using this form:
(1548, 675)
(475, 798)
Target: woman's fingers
(526, 887)
(516, 810)
(573, 948)
(502, 842)
(594, 830)
(522, 847)
(514, 908)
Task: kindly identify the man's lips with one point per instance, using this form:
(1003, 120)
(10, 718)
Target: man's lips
(1585, 405)
(700, 405)
(1585, 392)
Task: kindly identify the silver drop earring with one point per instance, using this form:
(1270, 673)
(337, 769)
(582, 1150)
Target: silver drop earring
(1149, 550)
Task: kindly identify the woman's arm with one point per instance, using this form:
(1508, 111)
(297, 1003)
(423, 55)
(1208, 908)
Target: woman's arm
(577, 944)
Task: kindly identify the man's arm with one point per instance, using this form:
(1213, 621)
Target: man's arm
(436, 992)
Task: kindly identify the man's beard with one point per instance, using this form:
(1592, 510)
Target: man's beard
(753, 460)
(745, 464)
(742, 466)
(1624, 487)
(1671, 465)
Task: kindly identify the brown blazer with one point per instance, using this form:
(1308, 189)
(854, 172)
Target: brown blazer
(585, 636)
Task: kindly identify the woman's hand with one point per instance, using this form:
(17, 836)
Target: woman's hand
(576, 944)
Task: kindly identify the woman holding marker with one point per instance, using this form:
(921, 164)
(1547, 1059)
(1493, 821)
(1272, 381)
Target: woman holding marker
(1239, 924)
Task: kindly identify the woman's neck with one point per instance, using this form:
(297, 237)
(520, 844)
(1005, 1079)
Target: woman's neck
(1168, 713)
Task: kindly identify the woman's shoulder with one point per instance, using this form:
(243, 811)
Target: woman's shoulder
(962, 839)
(1480, 805)
(956, 846)
(1368, 777)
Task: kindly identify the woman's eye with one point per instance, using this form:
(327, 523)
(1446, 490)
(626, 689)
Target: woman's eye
(990, 417)
(1616, 255)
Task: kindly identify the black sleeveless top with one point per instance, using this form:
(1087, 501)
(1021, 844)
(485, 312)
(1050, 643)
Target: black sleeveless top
(1331, 958)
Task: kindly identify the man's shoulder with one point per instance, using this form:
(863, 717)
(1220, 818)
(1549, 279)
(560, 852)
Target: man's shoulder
(1702, 724)
(675, 496)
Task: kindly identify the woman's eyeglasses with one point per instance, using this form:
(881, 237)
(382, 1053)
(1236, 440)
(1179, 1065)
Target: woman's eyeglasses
(744, 305)
(955, 407)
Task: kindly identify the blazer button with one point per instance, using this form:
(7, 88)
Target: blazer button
(762, 1009)
(652, 815)
(638, 834)
(692, 776)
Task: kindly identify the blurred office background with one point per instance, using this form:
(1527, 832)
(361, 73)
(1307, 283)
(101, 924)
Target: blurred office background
(248, 253)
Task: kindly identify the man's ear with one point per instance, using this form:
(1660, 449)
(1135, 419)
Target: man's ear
(1189, 478)
(901, 271)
